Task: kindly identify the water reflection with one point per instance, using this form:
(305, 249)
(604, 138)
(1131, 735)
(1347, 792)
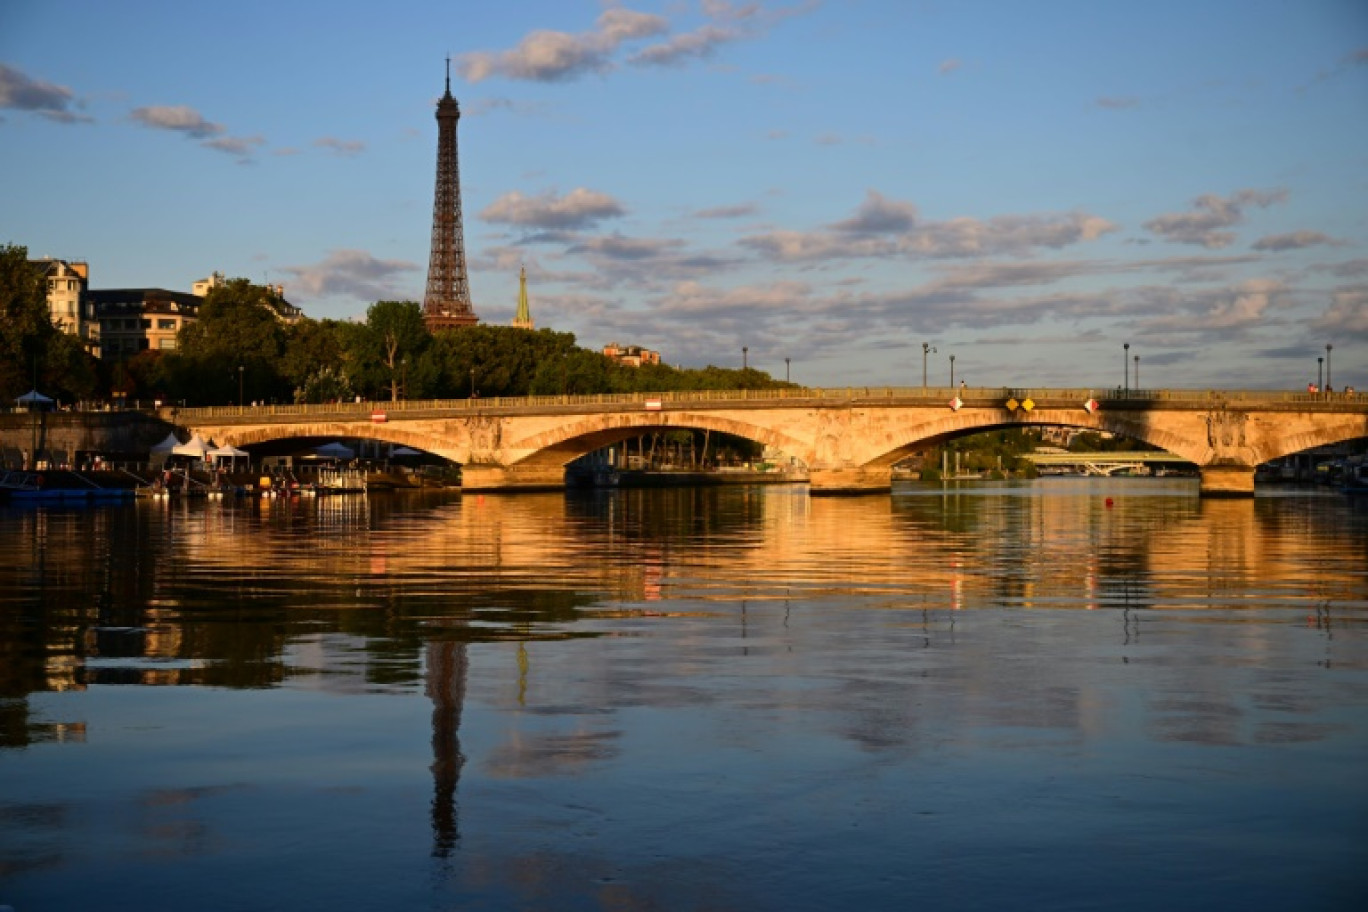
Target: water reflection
(623, 693)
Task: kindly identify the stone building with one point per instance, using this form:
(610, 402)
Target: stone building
(68, 304)
(631, 355)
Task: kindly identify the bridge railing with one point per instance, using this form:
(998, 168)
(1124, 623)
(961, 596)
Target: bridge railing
(971, 396)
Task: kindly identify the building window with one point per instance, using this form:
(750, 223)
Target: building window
(166, 324)
(166, 344)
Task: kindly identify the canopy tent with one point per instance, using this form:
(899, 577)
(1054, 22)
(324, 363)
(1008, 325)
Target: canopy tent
(195, 448)
(163, 449)
(34, 398)
(230, 452)
(405, 451)
(167, 445)
(333, 451)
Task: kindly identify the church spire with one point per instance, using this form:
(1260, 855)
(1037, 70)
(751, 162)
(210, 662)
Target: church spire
(524, 318)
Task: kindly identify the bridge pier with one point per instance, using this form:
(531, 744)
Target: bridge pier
(512, 478)
(1227, 481)
(863, 480)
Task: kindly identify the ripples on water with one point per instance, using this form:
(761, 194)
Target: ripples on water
(1067, 694)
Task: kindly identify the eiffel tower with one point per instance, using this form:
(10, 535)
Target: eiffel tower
(447, 302)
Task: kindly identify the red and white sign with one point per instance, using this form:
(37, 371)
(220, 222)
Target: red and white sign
(1091, 405)
(379, 417)
(652, 405)
(955, 404)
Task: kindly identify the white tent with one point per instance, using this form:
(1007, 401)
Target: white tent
(195, 447)
(228, 451)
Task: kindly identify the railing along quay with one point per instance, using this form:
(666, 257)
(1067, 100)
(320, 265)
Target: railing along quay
(932, 396)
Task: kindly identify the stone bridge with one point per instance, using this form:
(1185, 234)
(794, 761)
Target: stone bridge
(848, 439)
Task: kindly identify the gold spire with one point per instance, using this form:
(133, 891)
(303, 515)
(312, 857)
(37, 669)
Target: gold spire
(524, 318)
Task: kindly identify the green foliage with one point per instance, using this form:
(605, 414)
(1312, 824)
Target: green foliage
(398, 336)
(327, 384)
(32, 350)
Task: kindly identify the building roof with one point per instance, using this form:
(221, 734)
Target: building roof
(141, 295)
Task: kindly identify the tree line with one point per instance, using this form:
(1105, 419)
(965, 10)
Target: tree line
(239, 350)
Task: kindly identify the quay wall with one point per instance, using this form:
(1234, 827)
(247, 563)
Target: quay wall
(67, 437)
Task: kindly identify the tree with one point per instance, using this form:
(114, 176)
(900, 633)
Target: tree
(34, 352)
(399, 334)
(312, 347)
(233, 349)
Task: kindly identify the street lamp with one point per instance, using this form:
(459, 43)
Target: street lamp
(927, 348)
(745, 349)
(1320, 374)
(1329, 383)
(1137, 372)
(1125, 365)
(240, 397)
(952, 371)
(786, 369)
(473, 393)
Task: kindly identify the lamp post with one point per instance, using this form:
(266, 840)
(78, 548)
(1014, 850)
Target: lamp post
(1137, 372)
(1329, 382)
(473, 393)
(952, 371)
(745, 350)
(927, 348)
(240, 396)
(1125, 365)
(1320, 374)
(786, 369)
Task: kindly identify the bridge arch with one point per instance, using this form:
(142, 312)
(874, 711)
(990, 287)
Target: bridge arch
(562, 444)
(397, 434)
(901, 442)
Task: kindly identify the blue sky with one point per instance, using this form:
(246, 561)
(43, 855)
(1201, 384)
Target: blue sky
(1025, 185)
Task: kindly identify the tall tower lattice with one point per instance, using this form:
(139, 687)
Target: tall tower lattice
(523, 319)
(447, 302)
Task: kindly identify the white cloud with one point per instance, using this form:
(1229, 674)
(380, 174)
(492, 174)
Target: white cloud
(239, 146)
(346, 148)
(879, 215)
(177, 118)
(352, 273)
(1118, 102)
(740, 210)
(1205, 226)
(551, 56)
(579, 208)
(949, 66)
(1221, 310)
(1292, 241)
(1347, 315)
(701, 42)
(22, 93)
(883, 227)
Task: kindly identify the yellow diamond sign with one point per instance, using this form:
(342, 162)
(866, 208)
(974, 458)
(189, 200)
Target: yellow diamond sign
(1028, 405)
(1012, 405)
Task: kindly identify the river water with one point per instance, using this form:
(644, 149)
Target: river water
(1065, 694)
